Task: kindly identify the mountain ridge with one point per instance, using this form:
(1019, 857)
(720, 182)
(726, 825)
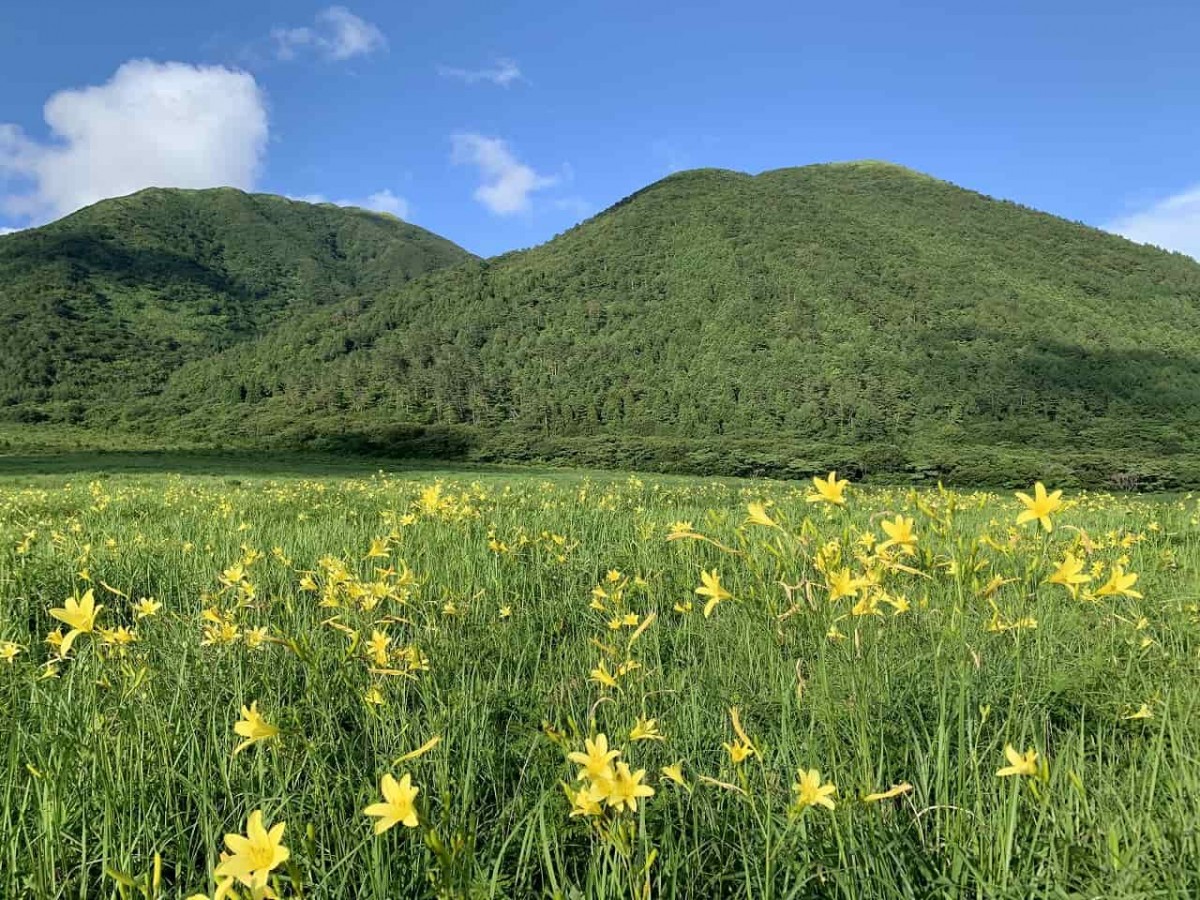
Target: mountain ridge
(830, 306)
(861, 313)
(164, 275)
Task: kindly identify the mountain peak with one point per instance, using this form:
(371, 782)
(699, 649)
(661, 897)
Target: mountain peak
(106, 302)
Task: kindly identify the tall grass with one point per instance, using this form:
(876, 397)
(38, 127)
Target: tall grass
(128, 752)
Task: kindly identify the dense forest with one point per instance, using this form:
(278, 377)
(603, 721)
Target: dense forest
(98, 308)
(855, 314)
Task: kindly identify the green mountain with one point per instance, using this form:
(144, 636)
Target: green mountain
(854, 314)
(97, 309)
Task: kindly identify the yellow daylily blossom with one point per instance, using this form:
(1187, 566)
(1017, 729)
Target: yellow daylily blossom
(1019, 763)
(680, 529)
(675, 773)
(810, 791)
(232, 576)
(1069, 574)
(377, 648)
(843, 584)
(868, 605)
(898, 604)
(900, 534)
(646, 730)
(738, 752)
(1119, 583)
(757, 515)
(116, 637)
(584, 801)
(743, 748)
(1040, 507)
(711, 588)
(398, 804)
(253, 727)
(80, 615)
(374, 697)
(626, 787)
(145, 607)
(828, 490)
(601, 675)
(596, 761)
(253, 857)
(9, 651)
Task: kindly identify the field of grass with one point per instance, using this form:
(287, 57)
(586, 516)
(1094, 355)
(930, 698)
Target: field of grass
(276, 646)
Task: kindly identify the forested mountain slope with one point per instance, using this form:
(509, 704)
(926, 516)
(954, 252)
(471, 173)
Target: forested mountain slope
(98, 308)
(842, 306)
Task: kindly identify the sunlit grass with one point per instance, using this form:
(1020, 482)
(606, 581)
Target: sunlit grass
(473, 636)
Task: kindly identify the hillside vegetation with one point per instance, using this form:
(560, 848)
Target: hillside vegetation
(856, 315)
(860, 314)
(98, 308)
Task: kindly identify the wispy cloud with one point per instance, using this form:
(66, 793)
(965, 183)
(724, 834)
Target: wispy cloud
(336, 34)
(1172, 223)
(507, 182)
(150, 125)
(503, 73)
(381, 201)
(386, 201)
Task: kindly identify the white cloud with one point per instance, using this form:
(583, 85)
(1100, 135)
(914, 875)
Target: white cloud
(503, 73)
(387, 202)
(507, 182)
(151, 125)
(381, 201)
(1173, 223)
(336, 34)
(4, 230)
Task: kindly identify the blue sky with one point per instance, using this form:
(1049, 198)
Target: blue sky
(500, 125)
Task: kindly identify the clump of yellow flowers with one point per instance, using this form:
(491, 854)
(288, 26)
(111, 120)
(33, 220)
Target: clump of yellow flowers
(604, 783)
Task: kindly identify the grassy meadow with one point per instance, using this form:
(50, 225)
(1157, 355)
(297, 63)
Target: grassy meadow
(814, 690)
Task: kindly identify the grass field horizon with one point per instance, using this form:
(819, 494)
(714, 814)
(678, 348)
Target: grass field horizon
(819, 685)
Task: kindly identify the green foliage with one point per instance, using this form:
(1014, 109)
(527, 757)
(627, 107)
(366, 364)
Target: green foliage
(97, 309)
(860, 312)
(128, 752)
(845, 306)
